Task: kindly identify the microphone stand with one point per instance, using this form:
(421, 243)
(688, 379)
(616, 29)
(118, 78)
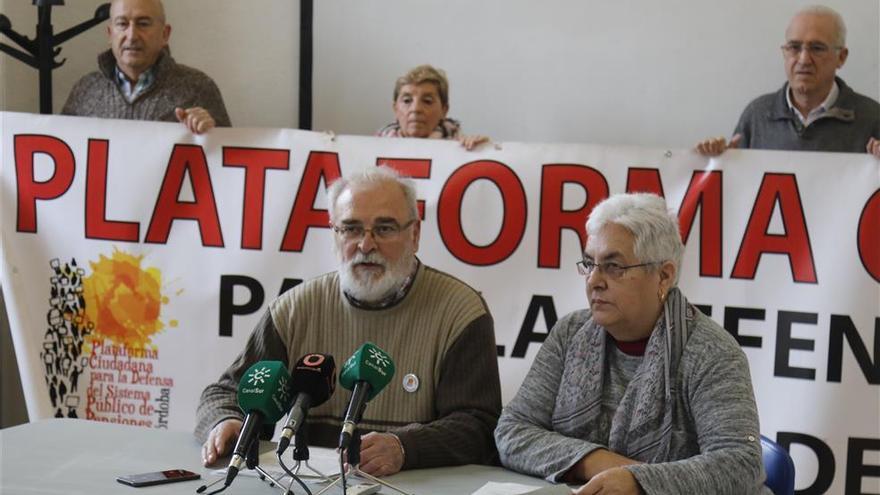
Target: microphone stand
(251, 461)
(354, 460)
(301, 454)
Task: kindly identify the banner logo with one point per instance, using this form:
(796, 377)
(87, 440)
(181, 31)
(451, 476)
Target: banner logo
(124, 300)
(100, 328)
(62, 351)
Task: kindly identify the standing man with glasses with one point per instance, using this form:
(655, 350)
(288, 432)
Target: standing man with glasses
(443, 403)
(640, 392)
(815, 110)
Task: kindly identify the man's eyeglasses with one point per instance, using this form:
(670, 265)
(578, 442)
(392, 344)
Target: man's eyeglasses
(794, 48)
(381, 231)
(610, 269)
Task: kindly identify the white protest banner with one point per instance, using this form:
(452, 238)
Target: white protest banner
(138, 257)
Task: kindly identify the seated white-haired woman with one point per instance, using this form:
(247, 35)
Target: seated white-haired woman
(640, 393)
(421, 101)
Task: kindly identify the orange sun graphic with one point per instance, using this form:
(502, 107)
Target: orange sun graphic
(124, 300)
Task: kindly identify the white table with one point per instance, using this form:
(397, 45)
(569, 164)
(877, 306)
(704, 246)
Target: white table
(68, 456)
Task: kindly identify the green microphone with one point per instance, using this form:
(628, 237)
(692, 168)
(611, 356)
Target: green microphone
(264, 396)
(365, 373)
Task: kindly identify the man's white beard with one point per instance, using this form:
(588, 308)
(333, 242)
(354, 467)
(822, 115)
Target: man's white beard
(367, 288)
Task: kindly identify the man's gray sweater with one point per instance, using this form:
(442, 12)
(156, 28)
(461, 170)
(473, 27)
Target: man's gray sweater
(98, 95)
(768, 123)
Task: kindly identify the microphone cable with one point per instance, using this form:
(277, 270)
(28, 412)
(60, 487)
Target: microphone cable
(293, 477)
(218, 490)
(342, 471)
(208, 485)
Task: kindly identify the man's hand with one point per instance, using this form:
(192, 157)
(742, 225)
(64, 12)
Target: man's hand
(471, 142)
(381, 454)
(874, 147)
(716, 146)
(196, 119)
(614, 481)
(220, 440)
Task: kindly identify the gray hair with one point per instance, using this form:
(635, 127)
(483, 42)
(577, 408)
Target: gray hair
(652, 224)
(836, 18)
(372, 176)
(160, 10)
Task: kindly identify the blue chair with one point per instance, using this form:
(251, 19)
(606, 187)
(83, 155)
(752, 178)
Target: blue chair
(779, 467)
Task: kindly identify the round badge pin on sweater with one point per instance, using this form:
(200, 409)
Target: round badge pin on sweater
(410, 382)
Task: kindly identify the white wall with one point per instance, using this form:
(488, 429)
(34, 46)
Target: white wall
(627, 72)
(634, 72)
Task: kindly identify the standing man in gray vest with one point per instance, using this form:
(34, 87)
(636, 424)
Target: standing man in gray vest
(815, 110)
(443, 403)
(138, 79)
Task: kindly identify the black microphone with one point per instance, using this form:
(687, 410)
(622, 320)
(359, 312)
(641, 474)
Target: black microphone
(365, 373)
(263, 395)
(312, 380)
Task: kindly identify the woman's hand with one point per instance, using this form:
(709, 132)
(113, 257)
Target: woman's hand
(614, 481)
(472, 141)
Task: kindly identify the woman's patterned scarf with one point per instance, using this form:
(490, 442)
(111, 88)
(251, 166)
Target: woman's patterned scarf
(642, 425)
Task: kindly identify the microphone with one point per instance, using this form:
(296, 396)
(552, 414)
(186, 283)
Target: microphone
(313, 380)
(263, 395)
(365, 373)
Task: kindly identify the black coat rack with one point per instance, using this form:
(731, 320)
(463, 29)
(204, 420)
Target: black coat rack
(41, 51)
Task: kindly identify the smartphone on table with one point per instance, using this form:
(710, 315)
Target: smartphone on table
(158, 477)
